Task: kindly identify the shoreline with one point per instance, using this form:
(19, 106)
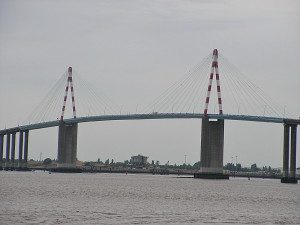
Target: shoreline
(153, 171)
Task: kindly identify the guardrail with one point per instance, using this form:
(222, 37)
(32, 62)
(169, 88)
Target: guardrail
(152, 116)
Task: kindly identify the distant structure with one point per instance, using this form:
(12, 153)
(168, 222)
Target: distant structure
(139, 160)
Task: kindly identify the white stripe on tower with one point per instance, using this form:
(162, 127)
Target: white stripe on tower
(209, 90)
(65, 100)
(213, 67)
(72, 91)
(218, 83)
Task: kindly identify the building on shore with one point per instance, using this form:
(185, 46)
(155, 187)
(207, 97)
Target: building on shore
(139, 160)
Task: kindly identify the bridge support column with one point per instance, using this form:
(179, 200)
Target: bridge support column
(1, 150)
(289, 171)
(293, 151)
(20, 160)
(286, 146)
(212, 146)
(26, 149)
(13, 150)
(67, 146)
(7, 165)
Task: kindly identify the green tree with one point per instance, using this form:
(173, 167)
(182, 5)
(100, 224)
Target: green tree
(47, 161)
(230, 166)
(197, 165)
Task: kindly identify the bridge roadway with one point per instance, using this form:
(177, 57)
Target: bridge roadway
(152, 116)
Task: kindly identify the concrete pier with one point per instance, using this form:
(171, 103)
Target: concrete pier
(1, 150)
(13, 151)
(289, 152)
(212, 147)
(7, 163)
(293, 151)
(67, 145)
(26, 149)
(286, 146)
(20, 163)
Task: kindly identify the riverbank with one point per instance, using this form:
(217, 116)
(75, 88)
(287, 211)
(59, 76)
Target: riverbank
(155, 171)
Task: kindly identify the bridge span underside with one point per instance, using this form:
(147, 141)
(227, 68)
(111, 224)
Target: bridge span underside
(151, 116)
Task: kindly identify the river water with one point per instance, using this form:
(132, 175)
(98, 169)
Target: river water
(43, 198)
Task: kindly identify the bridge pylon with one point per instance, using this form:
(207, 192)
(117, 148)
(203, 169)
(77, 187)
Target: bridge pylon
(67, 133)
(212, 134)
(70, 85)
(214, 70)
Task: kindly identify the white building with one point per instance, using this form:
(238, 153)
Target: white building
(138, 160)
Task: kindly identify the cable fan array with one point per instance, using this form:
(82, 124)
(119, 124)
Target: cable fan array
(88, 99)
(240, 96)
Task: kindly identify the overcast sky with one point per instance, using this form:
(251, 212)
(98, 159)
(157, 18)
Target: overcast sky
(132, 51)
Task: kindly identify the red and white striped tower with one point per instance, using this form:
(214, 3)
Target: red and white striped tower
(69, 83)
(214, 68)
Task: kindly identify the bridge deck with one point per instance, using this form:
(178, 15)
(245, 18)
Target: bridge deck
(153, 116)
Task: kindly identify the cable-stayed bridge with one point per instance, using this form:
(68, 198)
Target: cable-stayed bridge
(196, 96)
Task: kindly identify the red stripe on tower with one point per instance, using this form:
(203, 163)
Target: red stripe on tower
(73, 97)
(69, 83)
(214, 69)
(207, 100)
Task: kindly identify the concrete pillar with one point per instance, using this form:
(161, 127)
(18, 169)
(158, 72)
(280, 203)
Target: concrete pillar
(293, 151)
(13, 150)
(212, 147)
(289, 175)
(7, 151)
(205, 147)
(1, 150)
(286, 145)
(26, 148)
(67, 144)
(20, 149)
